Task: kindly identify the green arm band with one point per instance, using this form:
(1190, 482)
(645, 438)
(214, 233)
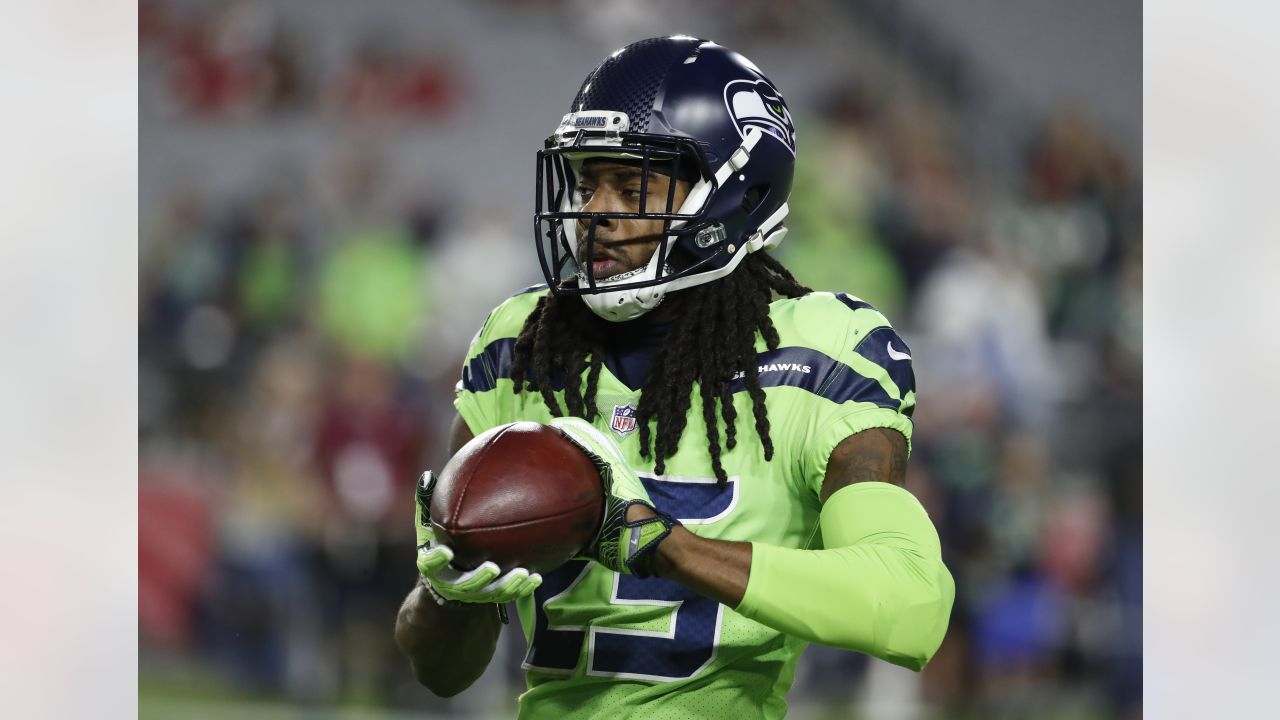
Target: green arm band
(878, 588)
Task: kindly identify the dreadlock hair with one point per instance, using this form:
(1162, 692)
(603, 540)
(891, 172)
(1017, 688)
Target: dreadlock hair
(707, 343)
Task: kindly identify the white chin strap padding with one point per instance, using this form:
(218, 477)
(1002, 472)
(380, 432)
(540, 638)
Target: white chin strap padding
(623, 305)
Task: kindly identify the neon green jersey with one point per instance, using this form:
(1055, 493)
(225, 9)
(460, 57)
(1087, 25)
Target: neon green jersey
(602, 644)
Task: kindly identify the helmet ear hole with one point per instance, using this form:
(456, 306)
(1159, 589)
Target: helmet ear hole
(751, 199)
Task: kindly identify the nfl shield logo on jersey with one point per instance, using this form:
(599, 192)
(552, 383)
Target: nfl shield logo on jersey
(624, 419)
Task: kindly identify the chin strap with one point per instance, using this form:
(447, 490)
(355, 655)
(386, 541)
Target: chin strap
(623, 305)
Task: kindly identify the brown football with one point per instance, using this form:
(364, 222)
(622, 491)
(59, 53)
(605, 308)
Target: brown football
(520, 495)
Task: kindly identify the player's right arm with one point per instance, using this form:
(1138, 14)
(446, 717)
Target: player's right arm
(449, 645)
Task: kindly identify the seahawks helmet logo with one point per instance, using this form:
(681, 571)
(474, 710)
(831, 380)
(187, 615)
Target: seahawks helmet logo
(755, 103)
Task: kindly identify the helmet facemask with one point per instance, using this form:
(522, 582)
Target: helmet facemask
(691, 246)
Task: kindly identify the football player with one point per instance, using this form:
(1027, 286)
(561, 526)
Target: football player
(753, 434)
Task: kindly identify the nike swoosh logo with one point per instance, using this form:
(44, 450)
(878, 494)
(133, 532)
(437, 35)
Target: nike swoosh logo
(894, 353)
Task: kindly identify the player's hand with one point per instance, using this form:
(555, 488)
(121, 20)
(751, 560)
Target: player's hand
(621, 546)
(484, 584)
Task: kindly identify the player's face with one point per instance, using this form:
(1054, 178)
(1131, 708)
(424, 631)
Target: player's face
(622, 245)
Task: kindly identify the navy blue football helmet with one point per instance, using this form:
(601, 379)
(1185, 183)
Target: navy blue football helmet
(692, 110)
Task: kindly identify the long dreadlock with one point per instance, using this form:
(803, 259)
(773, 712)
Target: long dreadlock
(707, 343)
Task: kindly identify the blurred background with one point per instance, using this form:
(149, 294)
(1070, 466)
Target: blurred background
(333, 195)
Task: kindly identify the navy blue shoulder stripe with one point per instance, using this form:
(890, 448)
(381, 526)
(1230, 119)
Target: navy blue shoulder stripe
(817, 373)
(854, 304)
(482, 373)
(885, 348)
(494, 363)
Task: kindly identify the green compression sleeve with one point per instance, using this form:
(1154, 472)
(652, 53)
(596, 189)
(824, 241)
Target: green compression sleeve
(879, 586)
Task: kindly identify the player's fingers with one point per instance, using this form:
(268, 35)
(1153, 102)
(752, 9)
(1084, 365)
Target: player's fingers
(433, 557)
(516, 584)
(474, 580)
(512, 579)
(523, 588)
(435, 548)
(499, 591)
(530, 584)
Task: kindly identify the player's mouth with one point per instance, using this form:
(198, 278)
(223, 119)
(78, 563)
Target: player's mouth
(602, 268)
(605, 265)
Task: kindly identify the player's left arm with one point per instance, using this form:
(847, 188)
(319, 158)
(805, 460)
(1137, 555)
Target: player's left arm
(879, 585)
(720, 569)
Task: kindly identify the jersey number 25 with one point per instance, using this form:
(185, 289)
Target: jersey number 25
(682, 651)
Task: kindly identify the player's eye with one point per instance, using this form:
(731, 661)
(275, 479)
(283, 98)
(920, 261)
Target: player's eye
(584, 192)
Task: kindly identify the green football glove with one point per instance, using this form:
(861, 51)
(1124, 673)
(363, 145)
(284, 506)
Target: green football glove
(621, 546)
(484, 584)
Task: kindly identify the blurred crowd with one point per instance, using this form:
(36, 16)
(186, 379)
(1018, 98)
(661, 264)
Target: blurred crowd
(300, 338)
(239, 59)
